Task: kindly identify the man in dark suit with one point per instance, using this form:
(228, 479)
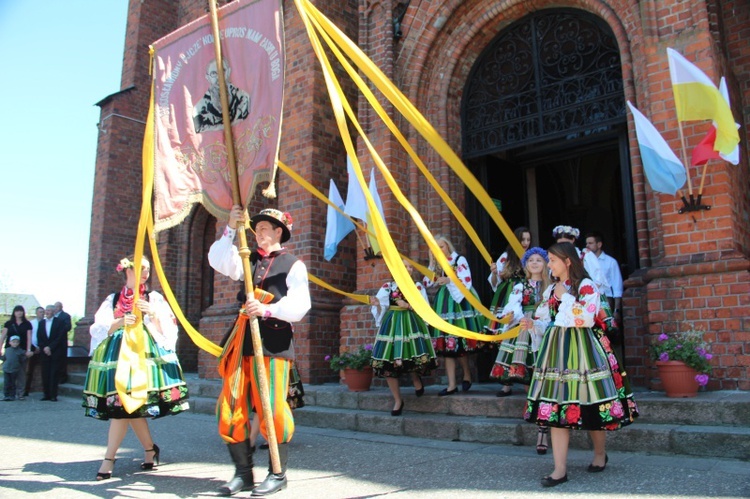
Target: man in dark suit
(53, 341)
(63, 316)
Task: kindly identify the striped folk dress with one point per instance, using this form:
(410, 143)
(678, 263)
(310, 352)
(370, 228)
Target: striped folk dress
(578, 382)
(516, 356)
(403, 344)
(452, 307)
(166, 387)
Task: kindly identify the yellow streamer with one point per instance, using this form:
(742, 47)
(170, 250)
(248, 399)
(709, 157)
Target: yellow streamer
(360, 298)
(131, 374)
(460, 217)
(412, 114)
(390, 254)
(315, 192)
(393, 185)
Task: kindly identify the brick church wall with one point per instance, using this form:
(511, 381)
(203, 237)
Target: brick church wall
(693, 267)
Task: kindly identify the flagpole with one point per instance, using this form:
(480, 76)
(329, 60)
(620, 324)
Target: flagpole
(244, 251)
(684, 159)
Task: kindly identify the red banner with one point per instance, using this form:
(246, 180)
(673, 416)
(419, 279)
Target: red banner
(190, 155)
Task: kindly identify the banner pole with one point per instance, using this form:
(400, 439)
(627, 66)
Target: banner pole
(684, 159)
(244, 251)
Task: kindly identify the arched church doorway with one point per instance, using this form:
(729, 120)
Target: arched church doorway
(544, 129)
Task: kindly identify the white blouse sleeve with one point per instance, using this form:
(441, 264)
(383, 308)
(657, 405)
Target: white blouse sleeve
(423, 291)
(224, 257)
(427, 282)
(499, 265)
(513, 306)
(166, 334)
(103, 320)
(541, 319)
(579, 311)
(378, 311)
(464, 275)
(296, 303)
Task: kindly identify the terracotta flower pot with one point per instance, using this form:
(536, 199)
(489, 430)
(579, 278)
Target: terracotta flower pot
(358, 380)
(677, 378)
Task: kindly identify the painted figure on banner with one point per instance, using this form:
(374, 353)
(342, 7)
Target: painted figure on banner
(190, 158)
(207, 113)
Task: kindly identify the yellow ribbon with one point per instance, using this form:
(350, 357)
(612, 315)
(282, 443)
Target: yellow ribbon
(390, 253)
(334, 89)
(412, 114)
(315, 192)
(131, 375)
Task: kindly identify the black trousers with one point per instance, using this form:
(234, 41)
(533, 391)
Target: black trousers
(50, 374)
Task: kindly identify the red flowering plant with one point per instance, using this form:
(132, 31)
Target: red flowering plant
(357, 359)
(686, 346)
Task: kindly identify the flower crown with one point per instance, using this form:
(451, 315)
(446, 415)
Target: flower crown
(124, 264)
(536, 250)
(565, 230)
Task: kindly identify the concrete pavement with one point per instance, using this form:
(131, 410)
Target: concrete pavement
(50, 449)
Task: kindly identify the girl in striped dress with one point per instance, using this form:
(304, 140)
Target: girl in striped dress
(453, 308)
(166, 389)
(403, 344)
(577, 382)
(516, 356)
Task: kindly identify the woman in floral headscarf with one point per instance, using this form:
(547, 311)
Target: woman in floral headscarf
(166, 390)
(577, 382)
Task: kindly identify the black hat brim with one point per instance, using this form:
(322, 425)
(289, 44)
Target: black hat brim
(285, 234)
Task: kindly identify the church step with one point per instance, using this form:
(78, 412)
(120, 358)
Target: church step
(714, 424)
(708, 441)
(731, 408)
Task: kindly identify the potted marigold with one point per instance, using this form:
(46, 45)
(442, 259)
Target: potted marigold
(683, 361)
(356, 367)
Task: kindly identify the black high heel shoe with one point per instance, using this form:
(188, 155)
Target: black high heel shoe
(397, 412)
(150, 466)
(419, 392)
(541, 442)
(105, 476)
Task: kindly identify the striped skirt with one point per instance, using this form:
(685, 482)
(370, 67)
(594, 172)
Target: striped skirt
(499, 300)
(462, 315)
(515, 360)
(402, 345)
(167, 391)
(578, 383)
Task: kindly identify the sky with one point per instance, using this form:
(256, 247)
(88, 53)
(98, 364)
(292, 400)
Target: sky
(59, 59)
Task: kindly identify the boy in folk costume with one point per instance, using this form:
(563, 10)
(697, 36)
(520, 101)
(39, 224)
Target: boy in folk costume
(282, 296)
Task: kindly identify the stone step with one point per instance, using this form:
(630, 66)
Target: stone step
(713, 424)
(707, 441)
(730, 408)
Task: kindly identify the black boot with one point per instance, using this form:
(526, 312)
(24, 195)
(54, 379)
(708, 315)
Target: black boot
(274, 482)
(242, 455)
